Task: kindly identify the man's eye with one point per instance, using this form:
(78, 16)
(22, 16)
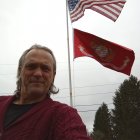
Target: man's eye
(31, 66)
(45, 68)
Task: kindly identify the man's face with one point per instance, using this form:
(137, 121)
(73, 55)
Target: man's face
(37, 73)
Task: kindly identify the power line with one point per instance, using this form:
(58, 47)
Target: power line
(91, 86)
(85, 111)
(93, 94)
(85, 95)
(91, 104)
(7, 74)
(8, 64)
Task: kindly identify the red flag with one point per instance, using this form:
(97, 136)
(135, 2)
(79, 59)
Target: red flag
(109, 54)
(108, 8)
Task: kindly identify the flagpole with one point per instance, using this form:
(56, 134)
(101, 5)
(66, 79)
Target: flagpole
(69, 65)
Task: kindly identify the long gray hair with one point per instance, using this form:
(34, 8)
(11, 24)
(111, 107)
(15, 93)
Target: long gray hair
(52, 89)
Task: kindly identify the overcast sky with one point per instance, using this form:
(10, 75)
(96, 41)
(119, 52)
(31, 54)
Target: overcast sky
(26, 22)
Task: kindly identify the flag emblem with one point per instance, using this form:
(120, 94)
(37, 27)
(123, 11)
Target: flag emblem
(102, 51)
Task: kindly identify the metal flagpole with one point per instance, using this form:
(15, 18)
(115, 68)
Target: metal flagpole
(69, 65)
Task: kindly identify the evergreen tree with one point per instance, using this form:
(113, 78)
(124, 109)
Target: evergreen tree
(126, 114)
(102, 128)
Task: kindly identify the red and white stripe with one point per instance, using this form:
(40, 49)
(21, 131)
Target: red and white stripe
(108, 8)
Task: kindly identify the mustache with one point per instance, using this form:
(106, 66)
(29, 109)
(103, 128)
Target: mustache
(36, 80)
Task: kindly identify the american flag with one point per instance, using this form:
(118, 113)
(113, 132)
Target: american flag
(108, 8)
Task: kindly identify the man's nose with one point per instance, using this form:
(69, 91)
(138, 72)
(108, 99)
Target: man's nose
(38, 72)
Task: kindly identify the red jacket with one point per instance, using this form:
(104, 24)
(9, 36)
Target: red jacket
(47, 120)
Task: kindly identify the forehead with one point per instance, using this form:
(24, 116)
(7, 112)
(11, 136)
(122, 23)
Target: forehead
(38, 56)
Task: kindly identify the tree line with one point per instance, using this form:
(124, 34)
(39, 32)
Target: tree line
(122, 122)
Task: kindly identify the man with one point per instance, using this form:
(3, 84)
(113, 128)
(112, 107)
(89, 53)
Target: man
(31, 114)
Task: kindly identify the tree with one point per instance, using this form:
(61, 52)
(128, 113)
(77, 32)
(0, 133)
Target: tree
(126, 112)
(102, 127)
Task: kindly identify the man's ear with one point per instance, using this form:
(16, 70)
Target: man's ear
(54, 75)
